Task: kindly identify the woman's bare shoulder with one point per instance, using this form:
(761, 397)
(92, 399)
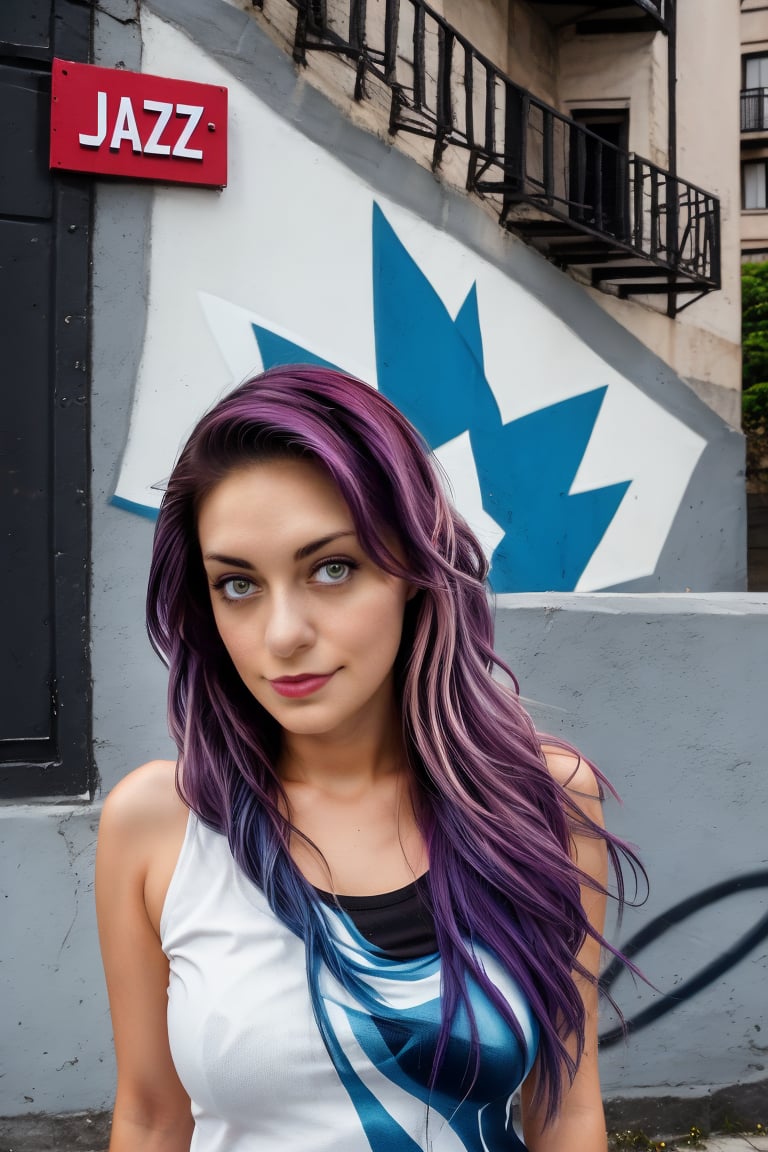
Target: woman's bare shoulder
(142, 829)
(145, 802)
(571, 770)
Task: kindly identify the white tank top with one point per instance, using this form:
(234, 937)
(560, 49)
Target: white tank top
(249, 1052)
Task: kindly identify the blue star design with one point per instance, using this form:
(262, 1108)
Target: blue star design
(432, 367)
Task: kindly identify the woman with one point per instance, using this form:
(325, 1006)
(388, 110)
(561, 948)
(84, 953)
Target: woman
(369, 898)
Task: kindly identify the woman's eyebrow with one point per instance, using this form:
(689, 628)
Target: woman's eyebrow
(316, 545)
(234, 561)
(300, 554)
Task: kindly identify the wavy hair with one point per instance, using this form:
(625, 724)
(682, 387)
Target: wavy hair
(496, 825)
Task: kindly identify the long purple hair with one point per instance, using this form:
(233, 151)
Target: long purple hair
(496, 825)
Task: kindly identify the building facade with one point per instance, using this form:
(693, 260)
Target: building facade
(754, 129)
(521, 222)
(754, 249)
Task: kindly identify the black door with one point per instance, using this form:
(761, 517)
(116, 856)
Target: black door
(599, 169)
(44, 468)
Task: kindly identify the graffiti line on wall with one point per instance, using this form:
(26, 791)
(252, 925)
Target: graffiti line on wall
(711, 971)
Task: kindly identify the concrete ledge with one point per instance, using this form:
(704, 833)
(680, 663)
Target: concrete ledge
(662, 1117)
(640, 603)
(69, 1132)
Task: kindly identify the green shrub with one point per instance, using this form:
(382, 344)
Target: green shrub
(754, 403)
(754, 327)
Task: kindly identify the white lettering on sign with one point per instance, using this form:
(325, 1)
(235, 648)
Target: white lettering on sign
(164, 112)
(126, 128)
(193, 112)
(100, 135)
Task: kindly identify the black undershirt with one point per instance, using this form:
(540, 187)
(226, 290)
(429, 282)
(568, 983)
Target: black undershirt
(398, 923)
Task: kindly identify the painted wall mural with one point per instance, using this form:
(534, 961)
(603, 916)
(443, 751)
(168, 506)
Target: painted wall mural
(568, 472)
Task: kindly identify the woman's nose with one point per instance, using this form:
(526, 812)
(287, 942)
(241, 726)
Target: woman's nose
(288, 627)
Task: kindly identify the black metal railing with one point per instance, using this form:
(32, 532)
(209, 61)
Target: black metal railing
(568, 172)
(754, 110)
(532, 160)
(653, 7)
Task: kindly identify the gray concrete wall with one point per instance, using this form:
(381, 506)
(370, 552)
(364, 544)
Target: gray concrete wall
(55, 1048)
(665, 693)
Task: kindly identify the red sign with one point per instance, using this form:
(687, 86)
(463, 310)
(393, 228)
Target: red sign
(119, 123)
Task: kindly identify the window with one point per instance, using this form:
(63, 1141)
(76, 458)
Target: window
(754, 95)
(754, 184)
(756, 72)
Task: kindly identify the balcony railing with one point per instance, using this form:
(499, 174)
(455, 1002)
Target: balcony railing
(576, 197)
(754, 110)
(608, 15)
(563, 182)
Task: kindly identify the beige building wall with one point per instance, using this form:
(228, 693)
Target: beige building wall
(702, 343)
(623, 72)
(532, 58)
(489, 26)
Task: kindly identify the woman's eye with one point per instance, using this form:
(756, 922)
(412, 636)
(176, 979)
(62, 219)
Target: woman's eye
(236, 588)
(333, 572)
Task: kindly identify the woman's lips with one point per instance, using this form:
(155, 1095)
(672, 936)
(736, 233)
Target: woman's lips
(295, 686)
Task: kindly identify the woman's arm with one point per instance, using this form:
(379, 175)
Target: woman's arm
(580, 1123)
(141, 828)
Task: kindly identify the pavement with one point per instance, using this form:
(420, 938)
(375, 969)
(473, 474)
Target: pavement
(744, 1142)
(747, 1143)
(740, 1143)
(90, 1133)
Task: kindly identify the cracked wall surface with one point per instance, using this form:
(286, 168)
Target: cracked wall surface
(56, 1036)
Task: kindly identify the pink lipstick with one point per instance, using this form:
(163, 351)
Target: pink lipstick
(296, 686)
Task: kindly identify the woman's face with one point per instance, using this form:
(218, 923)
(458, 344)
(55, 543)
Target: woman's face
(311, 624)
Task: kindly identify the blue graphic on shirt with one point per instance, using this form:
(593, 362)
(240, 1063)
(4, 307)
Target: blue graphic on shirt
(474, 1103)
(432, 367)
